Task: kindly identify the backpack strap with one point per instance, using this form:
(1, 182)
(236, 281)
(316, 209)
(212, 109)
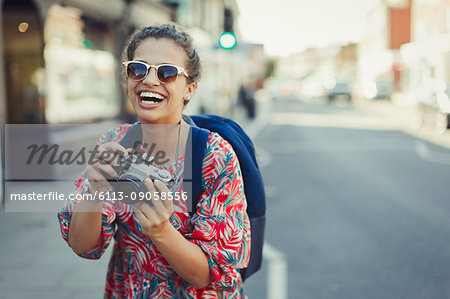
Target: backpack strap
(133, 135)
(195, 151)
(192, 181)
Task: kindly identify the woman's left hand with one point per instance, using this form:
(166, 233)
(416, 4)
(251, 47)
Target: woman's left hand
(154, 214)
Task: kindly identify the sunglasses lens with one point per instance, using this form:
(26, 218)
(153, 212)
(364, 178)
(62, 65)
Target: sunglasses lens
(136, 71)
(167, 73)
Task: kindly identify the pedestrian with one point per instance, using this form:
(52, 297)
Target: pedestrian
(160, 250)
(250, 102)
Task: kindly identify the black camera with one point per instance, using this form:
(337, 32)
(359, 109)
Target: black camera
(131, 173)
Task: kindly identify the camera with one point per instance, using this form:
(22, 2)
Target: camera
(131, 173)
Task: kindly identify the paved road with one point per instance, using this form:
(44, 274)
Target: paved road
(359, 208)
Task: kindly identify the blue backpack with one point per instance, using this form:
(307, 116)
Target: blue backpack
(201, 127)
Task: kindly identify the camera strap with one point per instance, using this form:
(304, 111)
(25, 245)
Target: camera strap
(134, 137)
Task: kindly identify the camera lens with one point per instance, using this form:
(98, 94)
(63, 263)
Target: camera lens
(130, 186)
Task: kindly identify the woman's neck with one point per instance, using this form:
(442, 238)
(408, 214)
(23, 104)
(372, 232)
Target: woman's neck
(162, 140)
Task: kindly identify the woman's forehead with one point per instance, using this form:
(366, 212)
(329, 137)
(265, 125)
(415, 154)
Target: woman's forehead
(162, 50)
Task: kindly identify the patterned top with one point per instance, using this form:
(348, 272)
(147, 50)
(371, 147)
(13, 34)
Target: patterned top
(220, 227)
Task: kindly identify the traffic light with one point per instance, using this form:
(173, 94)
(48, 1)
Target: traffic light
(227, 40)
(228, 20)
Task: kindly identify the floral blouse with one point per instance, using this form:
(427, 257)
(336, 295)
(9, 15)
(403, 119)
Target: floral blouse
(220, 227)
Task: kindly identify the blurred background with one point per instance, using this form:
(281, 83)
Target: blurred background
(62, 58)
(347, 102)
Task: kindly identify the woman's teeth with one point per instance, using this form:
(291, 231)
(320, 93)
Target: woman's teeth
(149, 102)
(150, 97)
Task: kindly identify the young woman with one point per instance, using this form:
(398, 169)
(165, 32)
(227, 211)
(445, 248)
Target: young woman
(160, 251)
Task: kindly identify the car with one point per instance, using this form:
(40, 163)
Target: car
(433, 108)
(339, 89)
(372, 90)
(383, 91)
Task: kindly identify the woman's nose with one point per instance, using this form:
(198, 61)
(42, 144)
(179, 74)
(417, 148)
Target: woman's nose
(152, 77)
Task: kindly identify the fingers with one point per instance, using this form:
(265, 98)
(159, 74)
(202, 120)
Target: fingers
(96, 176)
(100, 164)
(162, 188)
(95, 172)
(157, 198)
(107, 153)
(102, 157)
(115, 147)
(146, 215)
(97, 182)
(155, 213)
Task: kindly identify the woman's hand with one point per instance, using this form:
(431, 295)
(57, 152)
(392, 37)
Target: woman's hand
(86, 228)
(100, 164)
(154, 214)
(186, 258)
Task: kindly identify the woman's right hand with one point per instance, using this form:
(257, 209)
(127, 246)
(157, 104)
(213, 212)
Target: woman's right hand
(101, 163)
(85, 228)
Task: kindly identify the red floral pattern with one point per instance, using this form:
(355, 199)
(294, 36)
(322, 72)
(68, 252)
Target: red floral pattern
(220, 227)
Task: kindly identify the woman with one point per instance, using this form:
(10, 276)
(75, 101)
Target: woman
(159, 250)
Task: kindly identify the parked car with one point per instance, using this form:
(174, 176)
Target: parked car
(383, 91)
(433, 108)
(340, 89)
(371, 90)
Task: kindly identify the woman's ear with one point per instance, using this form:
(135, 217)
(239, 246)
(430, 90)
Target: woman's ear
(190, 90)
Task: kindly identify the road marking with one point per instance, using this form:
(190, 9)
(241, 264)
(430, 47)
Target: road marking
(342, 145)
(277, 275)
(426, 154)
(276, 272)
(441, 140)
(348, 121)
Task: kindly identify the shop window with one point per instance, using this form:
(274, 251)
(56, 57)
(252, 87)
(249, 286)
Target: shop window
(81, 67)
(23, 62)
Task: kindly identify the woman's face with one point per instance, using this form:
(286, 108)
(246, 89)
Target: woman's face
(169, 109)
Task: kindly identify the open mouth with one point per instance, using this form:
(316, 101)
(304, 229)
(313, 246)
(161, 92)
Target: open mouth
(148, 97)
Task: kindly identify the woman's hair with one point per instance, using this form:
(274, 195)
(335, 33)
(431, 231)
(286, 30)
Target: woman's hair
(180, 37)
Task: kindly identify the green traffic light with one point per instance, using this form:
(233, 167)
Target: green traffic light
(227, 40)
(87, 44)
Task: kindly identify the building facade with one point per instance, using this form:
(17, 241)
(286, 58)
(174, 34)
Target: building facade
(61, 59)
(387, 29)
(426, 59)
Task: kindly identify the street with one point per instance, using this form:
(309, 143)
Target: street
(358, 213)
(346, 102)
(357, 207)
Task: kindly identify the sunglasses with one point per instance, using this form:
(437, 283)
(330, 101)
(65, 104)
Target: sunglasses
(166, 72)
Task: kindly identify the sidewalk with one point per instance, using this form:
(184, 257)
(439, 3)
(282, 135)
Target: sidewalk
(35, 261)
(251, 126)
(399, 116)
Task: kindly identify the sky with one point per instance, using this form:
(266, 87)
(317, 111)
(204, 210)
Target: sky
(290, 26)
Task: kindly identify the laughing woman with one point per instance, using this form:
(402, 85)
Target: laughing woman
(160, 250)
